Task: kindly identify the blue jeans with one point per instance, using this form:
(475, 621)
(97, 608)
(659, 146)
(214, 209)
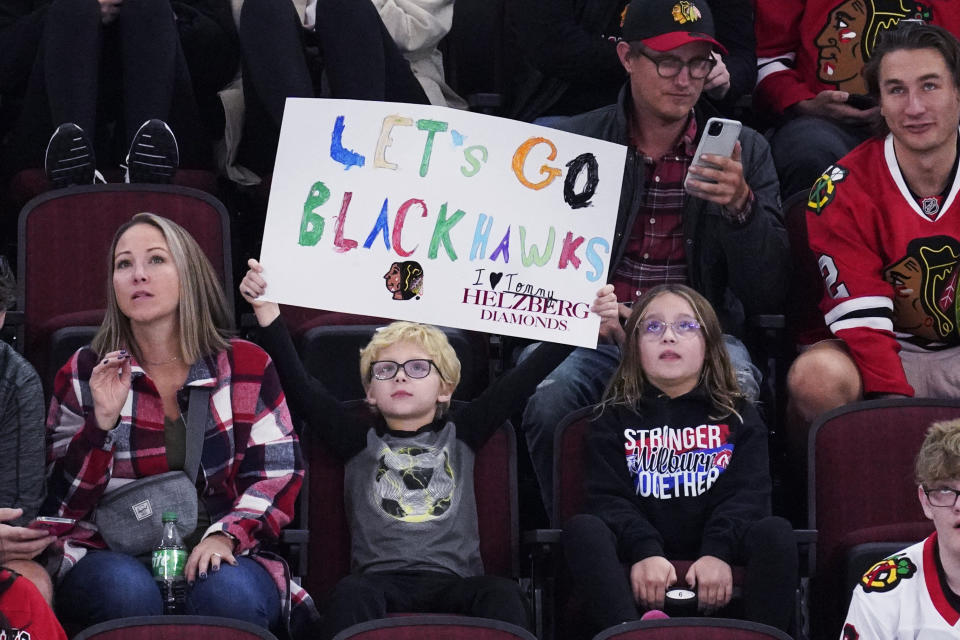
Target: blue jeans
(106, 585)
(805, 146)
(578, 382)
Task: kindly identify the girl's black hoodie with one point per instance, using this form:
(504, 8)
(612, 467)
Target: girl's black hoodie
(671, 481)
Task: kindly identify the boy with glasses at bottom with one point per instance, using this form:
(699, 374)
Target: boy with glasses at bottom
(915, 593)
(408, 466)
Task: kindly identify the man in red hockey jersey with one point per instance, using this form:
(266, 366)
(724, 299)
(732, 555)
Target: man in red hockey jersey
(884, 224)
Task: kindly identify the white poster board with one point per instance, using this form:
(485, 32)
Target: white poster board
(442, 216)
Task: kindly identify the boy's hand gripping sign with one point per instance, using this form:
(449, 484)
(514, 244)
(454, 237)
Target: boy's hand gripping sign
(442, 216)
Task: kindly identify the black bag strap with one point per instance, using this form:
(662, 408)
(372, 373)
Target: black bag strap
(197, 411)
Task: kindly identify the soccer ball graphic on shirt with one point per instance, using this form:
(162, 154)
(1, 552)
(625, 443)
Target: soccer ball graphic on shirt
(415, 484)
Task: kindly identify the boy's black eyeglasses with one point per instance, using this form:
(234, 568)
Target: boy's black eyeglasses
(942, 497)
(670, 66)
(418, 368)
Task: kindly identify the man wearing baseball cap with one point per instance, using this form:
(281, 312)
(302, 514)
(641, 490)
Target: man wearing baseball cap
(723, 237)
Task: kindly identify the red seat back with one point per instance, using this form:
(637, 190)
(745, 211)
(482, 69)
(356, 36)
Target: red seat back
(692, 629)
(64, 237)
(434, 626)
(175, 628)
(569, 475)
(861, 484)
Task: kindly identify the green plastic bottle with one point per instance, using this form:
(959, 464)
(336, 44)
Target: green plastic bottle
(169, 561)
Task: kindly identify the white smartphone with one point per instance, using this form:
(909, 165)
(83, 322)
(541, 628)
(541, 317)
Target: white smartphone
(719, 137)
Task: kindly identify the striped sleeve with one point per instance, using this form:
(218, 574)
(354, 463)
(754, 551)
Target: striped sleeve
(777, 26)
(857, 302)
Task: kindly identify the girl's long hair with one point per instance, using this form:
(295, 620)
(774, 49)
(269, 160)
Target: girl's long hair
(717, 376)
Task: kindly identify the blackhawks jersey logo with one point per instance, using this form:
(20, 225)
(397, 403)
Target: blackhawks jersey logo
(887, 574)
(850, 632)
(925, 282)
(825, 188)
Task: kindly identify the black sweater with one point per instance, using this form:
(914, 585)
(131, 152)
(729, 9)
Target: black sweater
(689, 485)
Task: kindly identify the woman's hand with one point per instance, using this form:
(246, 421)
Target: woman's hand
(20, 543)
(109, 10)
(650, 578)
(252, 287)
(605, 305)
(110, 385)
(208, 555)
(712, 579)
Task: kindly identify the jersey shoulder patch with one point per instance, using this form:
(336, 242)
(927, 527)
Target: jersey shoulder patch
(887, 574)
(825, 188)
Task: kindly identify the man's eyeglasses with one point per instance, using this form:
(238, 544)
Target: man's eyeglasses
(942, 496)
(684, 328)
(418, 368)
(670, 66)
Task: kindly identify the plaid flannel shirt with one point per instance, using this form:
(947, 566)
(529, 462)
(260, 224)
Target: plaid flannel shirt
(251, 467)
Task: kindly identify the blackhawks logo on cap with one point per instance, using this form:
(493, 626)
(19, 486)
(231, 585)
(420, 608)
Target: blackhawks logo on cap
(887, 574)
(685, 11)
(825, 188)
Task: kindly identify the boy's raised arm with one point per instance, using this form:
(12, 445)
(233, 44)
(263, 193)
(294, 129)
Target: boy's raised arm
(306, 395)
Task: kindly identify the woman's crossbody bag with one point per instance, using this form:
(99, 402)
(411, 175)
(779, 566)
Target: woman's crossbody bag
(130, 518)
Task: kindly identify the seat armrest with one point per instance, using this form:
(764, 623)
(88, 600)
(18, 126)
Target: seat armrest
(542, 548)
(295, 543)
(541, 536)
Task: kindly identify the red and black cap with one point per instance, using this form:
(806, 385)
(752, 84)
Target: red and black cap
(663, 25)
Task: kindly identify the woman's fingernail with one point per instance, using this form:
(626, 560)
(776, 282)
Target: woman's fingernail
(123, 351)
(203, 575)
(215, 568)
(104, 362)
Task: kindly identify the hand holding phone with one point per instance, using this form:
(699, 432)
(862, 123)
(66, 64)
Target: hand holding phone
(718, 177)
(719, 137)
(54, 526)
(20, 543)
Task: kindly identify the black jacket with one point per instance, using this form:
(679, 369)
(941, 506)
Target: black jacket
(691, 517)
(749, 260)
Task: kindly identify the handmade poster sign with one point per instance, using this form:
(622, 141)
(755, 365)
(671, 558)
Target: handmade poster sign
(442, 216)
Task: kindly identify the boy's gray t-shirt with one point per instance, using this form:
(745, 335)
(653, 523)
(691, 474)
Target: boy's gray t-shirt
(411, 503)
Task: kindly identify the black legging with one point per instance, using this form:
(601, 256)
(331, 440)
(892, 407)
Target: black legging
(361, 61)
(767, 548)
(132, 69)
